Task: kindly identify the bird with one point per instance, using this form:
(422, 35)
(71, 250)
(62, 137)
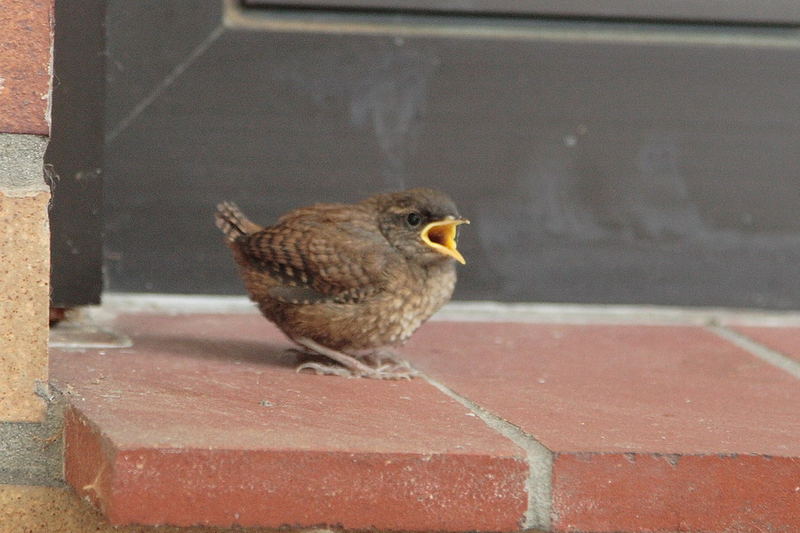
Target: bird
(348, 281)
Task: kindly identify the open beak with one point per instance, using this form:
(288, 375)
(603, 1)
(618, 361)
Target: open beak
(441, 236)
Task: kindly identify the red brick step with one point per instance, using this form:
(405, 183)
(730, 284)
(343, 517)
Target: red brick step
(566, 427)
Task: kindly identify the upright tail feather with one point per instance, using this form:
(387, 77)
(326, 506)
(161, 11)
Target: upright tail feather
(232, 222)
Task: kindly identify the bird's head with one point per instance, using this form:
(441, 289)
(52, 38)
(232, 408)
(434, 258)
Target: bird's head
(421, 223)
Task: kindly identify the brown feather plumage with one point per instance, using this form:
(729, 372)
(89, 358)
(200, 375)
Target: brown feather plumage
(350, 277)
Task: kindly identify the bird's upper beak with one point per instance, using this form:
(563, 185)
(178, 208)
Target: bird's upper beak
(441, 236)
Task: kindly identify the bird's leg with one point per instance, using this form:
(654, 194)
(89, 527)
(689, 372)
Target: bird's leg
(347, 361)
(300, 353)
(303, 353)
(379, 358)
(389, 361)
(326, 370)
(352, 366)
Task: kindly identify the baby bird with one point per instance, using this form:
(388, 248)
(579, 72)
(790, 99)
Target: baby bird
(344, 280)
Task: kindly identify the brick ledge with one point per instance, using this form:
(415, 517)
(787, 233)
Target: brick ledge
(202, 421)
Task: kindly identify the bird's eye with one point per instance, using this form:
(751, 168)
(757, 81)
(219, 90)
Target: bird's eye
(414, 219)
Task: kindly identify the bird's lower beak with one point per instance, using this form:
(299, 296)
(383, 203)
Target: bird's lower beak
(441, 236)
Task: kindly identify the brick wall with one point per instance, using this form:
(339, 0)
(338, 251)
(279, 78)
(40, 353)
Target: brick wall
(25, 73)
(29, 432)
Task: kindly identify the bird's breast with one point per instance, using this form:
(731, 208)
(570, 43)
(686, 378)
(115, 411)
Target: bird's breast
(416, 302)
(388, 318)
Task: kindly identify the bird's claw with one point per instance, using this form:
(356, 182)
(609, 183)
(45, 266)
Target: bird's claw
(398, 371)
(374, 365)
(325, 370)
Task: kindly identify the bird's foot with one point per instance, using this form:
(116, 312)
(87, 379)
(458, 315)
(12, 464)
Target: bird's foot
(383, 372)
(374, 367)
(381, 358)
(402, 370)
(390, 364)
(325, 370)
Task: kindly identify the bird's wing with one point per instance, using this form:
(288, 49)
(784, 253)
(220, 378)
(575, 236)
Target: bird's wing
(318, 255)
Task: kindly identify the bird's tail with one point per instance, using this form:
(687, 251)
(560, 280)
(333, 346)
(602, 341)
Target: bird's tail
(232, 222)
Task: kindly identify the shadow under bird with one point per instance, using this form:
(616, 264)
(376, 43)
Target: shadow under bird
(346, 280)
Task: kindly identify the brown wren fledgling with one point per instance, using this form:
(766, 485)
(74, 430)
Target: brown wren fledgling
(344, 280)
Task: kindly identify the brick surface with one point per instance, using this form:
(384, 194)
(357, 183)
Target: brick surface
(24, 284)
(25, 62)
(650, 425)
(646, 492)
(657, 389)
(652, 428)
(784, 340)
(203, 421)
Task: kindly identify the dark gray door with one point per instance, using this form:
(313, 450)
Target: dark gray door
(601, 158)
(75, 153)
(716, 11)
